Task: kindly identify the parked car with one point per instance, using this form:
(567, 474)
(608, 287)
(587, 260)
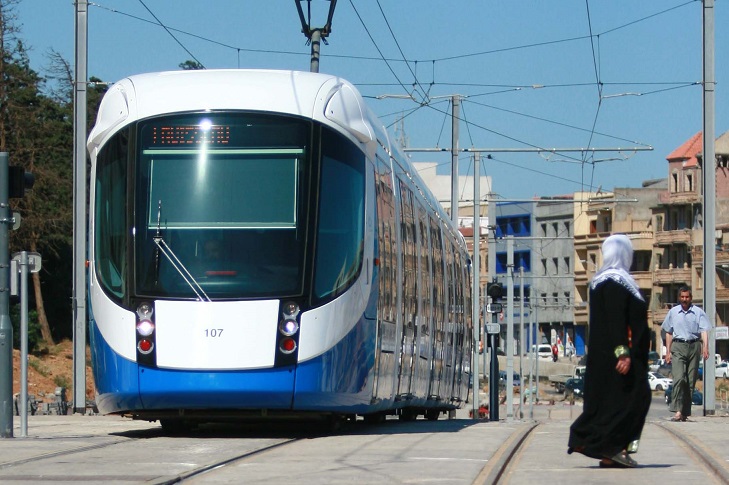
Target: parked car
(722, 370)
(502, 379)
(544, 351)
(665, 370)
(574, 386)
(658, 382)
(696, 397)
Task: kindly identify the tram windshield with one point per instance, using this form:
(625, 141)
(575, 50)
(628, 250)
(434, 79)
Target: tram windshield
(229, 206)
(224, 195)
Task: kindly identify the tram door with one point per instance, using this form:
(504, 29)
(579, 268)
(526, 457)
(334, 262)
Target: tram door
(450, 330)
(439, 305)
(409, 292)
(424, 332)
(386, 364)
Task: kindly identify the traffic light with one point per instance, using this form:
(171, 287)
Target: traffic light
(495, 291)
(18, 182)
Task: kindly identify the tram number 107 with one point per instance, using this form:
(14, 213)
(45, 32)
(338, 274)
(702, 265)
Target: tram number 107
(213, 332)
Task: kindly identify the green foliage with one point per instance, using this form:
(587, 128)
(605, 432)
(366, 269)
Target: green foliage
(190, 65)
(36, 129)
(62, 381)
(34, 332)
(38, 366)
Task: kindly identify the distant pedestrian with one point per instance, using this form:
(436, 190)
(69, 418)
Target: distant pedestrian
(617, 395)
(687, 340)
(555, 352)
(570, 349)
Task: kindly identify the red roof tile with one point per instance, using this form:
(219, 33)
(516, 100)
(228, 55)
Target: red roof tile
(688, 151)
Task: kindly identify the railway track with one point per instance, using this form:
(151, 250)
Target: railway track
(684, 459)
(458, 451)
(148, 456)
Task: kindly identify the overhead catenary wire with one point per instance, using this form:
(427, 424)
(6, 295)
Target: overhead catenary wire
(171, 34)
(417, 81)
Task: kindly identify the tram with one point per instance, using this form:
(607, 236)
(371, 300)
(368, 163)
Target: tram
(260, 247)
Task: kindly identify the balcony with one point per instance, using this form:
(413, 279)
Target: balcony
(581, 315)
(657, 316)
(679, 236)
(643, 278)
(581, 278)
(722, 256)
(672, 276)
(684, 198)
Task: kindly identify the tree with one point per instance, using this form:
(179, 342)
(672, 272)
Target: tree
(37, 132)
(191, 65)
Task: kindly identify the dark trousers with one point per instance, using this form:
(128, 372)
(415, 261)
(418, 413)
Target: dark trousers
(685, 358)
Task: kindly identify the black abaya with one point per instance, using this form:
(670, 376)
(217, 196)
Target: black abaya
(615, 405)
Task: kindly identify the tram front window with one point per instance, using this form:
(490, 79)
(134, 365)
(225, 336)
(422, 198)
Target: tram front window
(219, 204)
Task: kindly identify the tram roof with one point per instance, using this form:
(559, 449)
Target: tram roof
(323, 97)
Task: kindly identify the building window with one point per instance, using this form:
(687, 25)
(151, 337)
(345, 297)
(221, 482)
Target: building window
(519, 225)
(555, 261)
(522, 259)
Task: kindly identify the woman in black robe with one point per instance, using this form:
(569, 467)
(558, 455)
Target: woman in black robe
(617, 394)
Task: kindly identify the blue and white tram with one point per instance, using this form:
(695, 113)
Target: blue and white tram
(258, 247)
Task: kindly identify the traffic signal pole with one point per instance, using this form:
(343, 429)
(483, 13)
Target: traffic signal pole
(6, 327)
(495, 291)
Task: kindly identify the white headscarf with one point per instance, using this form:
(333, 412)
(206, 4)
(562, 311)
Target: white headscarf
(617, 255)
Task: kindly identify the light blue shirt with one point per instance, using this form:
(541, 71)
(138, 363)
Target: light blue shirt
(686, 325)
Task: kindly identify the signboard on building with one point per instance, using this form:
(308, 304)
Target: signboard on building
(721, 333)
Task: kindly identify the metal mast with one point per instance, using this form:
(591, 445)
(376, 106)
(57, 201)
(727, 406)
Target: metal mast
(79, 209)
(318, 34)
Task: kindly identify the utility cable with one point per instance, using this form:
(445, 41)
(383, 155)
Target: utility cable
(171, 34)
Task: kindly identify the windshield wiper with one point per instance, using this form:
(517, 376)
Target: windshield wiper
(175, 261)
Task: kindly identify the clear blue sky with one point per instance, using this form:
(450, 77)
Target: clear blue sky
(646, 55)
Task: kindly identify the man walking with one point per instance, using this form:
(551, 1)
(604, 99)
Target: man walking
(687, 341)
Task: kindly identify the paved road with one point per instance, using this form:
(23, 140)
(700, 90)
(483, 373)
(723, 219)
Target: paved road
(110, 450)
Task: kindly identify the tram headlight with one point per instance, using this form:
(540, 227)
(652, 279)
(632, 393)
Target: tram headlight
(288, 327)
(145, 328)
(290, 309)
(145, 311)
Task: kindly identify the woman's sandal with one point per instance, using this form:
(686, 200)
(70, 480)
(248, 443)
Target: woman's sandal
(620, 460)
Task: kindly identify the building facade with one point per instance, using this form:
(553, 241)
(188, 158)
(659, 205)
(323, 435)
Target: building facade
(679, 234)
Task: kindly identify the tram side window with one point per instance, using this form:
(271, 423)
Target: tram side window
(386, 233)
(340, 231)
(110, 214)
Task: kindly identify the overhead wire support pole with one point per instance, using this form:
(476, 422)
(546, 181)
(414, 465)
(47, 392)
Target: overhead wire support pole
(6, 326)
(709, 182)
(317, 35)
(476, 285)
(79, 212)
(455, 115)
